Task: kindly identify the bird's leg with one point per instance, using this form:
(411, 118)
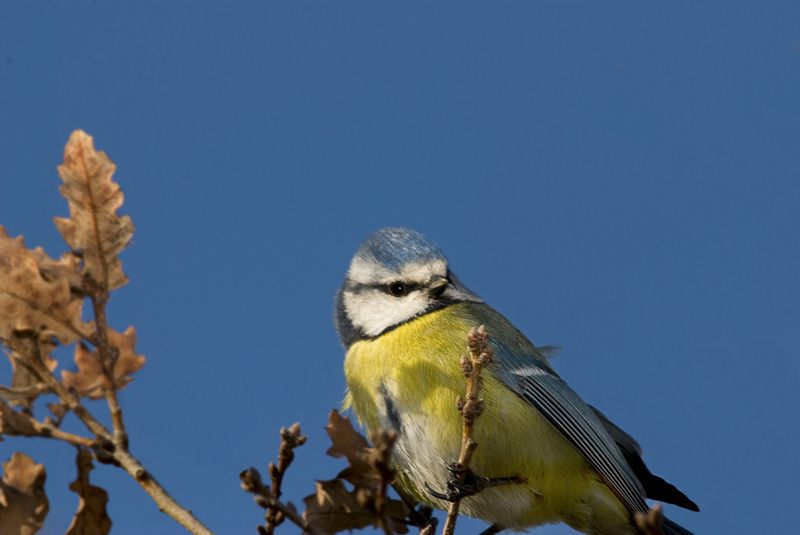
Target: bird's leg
(472, 484)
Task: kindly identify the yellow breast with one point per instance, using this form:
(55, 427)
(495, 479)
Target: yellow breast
(409, 378)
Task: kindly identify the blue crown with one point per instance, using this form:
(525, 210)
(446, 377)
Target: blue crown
(396, 247)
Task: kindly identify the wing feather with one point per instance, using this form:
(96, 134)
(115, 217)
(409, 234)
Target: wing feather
(562, 407)
(532, 378)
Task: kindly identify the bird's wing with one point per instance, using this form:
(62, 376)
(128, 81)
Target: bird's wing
(654, 487)
(626, 443)
(535, 382)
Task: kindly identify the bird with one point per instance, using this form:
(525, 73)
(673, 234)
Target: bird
(403, 317)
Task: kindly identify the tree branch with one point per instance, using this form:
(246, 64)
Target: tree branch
(99, 296)
(290, 439)
(251, 482)
(471, 365)
(105, 448)
(16, 423)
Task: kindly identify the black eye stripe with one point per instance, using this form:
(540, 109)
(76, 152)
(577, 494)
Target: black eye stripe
(358, 288)
(398, 288)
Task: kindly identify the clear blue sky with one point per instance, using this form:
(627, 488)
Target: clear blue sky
(623, 181)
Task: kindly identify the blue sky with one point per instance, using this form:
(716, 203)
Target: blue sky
(621, 180)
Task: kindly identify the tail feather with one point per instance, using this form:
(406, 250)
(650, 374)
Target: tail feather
(655, 487)
(671, 528)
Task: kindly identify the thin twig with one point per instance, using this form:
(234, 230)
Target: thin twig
(165, 502)
(99, 296)
(479, 356)
(17, 423)
(290, 439)
(31, 359)
(251, 482)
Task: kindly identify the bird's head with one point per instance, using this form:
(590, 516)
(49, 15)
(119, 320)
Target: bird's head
(396, 275)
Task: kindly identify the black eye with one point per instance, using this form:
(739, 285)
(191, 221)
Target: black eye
(397, 289)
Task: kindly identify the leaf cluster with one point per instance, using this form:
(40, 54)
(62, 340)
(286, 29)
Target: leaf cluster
(41, 307)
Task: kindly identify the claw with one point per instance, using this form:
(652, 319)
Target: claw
(472, 484)
(436, 494)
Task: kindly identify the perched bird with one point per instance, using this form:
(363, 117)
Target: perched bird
(403, 317)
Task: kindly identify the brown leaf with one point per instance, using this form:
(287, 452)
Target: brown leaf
(91, 517)
(23, 380)
(23, 503)
(23, 396)
(14, 423)
(33, 298)
(398, 510)
(333, 508)
(68, 266)
(59, 410)
(349, 443)
(93, 228)
(89, 380)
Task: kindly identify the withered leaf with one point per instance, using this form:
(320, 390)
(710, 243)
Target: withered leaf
(59, 410)
(349, 443)
(23, 503)
(31, 300)
(94, 228)
(14, 423)
(68, 266)
(89, 380)
(23, 396)
(91, 517)
(22, 380)
(333, 508)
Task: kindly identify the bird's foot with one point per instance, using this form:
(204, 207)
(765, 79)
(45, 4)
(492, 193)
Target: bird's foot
(471, 484)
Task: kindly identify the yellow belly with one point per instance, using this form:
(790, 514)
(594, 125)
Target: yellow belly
(410, 378)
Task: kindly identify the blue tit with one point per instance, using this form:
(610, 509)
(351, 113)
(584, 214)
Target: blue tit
(403, 318)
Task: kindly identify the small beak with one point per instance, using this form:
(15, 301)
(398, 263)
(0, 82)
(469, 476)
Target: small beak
(437, 285)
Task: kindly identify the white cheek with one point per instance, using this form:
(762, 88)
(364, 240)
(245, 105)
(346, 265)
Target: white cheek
(374, 311)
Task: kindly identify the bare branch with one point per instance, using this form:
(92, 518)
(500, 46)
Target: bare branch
(290, 439)
(471, 365)
(251, 482)
(15, 423)
(165, 502)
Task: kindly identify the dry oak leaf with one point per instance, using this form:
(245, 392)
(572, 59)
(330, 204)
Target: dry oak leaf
(89, 379)
(23, 503)
(349, 443)
(33, 300)
(333, 508)
(24, 381)
(15, 424)
(59, 410)
(91, 517)
(93, 227)
(23, 396)
(68, 266)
